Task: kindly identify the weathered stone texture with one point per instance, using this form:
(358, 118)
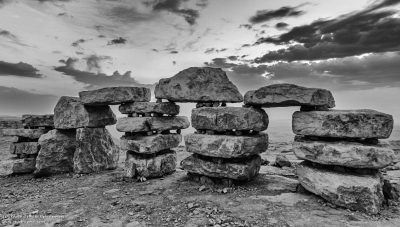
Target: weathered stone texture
(149, 107)
(95, 152)
(145, 124)
(24, 148)
(229, 118)
(29, 120)
(391, 186)
(283, 95)
(224, 146)
(70, 113)
(25, 133)
(115, 95)
(10, 123)
(343, 124)
(198, 85)
(150, 144)
(150, 167)
(17, 166)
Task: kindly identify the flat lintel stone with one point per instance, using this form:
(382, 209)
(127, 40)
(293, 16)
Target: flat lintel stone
(284, 95)
(150, 144)
(224, 146)
(149, 107)
(24, 148)
(21, 132)
(145, 124)
(343, 124)
(115, 95)
(46, 120)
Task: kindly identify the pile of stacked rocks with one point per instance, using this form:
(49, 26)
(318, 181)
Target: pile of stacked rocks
(227, 143)
(25, 146)
(149, 136)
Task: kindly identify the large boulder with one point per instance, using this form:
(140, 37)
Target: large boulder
(157, 165)
(150, 144)
(29, 120)
(70, 113)
(24, 148)
(343, 153)
(115, 95)
(229, 118)
(149, 107)
(145, 124)
(343, 124)
(17, 166)
(57, 148)
(362, 192)
(240, 170)
(224, 146)
(95, 152)
(198, 85)
(283, 95)
(22, 132)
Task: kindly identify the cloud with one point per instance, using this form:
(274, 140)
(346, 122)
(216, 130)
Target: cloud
(128, 14)
(18, 69)
(367, 31)
(267, 15)
(93, 62)
(77, 42)
(281, 25)
(214, 50)
(174, 6)
(7, 34)
(117, 41)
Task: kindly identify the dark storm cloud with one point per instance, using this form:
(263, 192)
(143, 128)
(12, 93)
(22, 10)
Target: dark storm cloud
(214, 50)
(7, 34)
(128, 14)
(174, 6)
(367, 31)
(18, 69)
(93, 62)
(117, 41)
(267, 15)
(281, 25)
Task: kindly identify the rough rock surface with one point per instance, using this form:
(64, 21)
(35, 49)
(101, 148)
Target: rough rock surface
(149, 107)
(343, 153)
(70, 113)
(145, 124)
(283, 95)
(198, 85)
(395, 145)
(29, 120)
(17, 166)
(223, 168)
(229, 118)
(224, 146)
(57, 148)
(282, 161)
(150, 167)
(115, 95)
(150, 144)
(96, 151)
(391, 186)
(24, 148)
(10, 123)
(352, 191)
(343, 124)
(21, 132)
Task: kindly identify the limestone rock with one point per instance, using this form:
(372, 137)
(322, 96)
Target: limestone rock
(352, 191)
(391, 186)
(17, 166)
(343, 124)
(223, 168)
(283, 95)
(224, 146)
(24, 148)
(198, 85)
(29, 120)
(70, 113)
(115, 95)
(150, 144)
(395, 146)
(10, 123)
(229, 118)
(343, 153)
(150, 167)
(21, 132)
(57, 148)
(282, 161)
(149, 107)
(145, 124)
(95, 152)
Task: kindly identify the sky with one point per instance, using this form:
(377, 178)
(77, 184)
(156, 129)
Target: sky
(50, 48)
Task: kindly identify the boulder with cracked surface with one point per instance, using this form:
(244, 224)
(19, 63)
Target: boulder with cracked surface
(150, 144)
(146, 124)
(24, 133)
(24, 148)
(30, 120)
(150, 107)
(115, 95)
(153, 166)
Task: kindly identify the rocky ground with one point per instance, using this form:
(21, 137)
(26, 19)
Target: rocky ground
(106, 199)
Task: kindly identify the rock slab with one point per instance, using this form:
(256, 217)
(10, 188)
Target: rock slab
(149, 107)
(57, 148)
(352, 191)
(150, 167)
(343, 124)
(224, 146)
(343, 153)
(197, 84)
(284, 95)
(11, 123)
(115, 95)
(150, 144)
(22, 132)
(145, 124)
(17, 166)
(29, 120)
(95, 152)
(229, 118)
(27, 148)
(223, 168)
(70, 113)
(391, 186)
